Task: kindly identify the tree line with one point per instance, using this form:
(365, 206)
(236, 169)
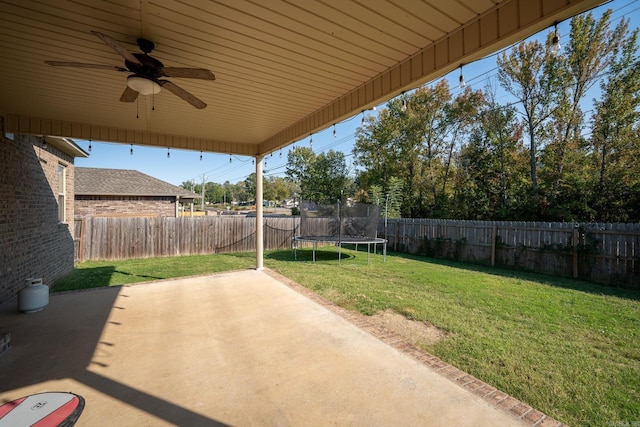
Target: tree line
(547, 155)
(565, 147)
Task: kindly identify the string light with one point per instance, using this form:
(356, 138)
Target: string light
(200, 155)
(310, 140)
(229, 158)
(44, 144)
(131, 150)
(89, 145)
(253, 162)
(280, 155)
(462, 83)
(404, 103)
(334, 130)
(362, 117)
(168, 153)
(555, 41)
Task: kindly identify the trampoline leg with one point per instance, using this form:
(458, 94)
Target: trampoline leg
(368, 250)
(315, 244)
(339, 253)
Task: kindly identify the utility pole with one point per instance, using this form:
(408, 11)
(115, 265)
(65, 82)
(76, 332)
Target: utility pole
(203, 179)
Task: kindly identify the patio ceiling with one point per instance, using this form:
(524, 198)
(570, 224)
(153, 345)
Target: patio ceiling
(284, 69)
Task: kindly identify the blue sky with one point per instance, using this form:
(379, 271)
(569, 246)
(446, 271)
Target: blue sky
(184, 165)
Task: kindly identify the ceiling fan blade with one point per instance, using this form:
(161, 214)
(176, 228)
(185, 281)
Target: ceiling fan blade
(188, 73)
(83, 65)
(116, 46)
(181, 93)
(129, 95)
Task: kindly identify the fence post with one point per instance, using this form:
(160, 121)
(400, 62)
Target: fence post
(494, 234)
(576, 238)
(395, 240)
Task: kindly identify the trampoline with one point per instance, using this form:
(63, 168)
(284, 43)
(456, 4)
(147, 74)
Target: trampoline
(352, 224)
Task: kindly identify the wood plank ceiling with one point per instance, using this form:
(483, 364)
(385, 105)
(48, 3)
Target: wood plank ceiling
(284, 68)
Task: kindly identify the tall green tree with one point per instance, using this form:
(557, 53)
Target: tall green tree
(377, 147)
(327, 178)
(615, 140)
(592, 47)
(322, 178)
(521, 72)
(493, 166)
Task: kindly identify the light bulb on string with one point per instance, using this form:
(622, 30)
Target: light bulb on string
(280, 155)
(89, 145)
(555, 41)
(168, 153)
(404, 103)
(310, 140)
(229, 158)
(200, 155)
(362, 118)
(334, 130)
(462, 83)
(253, 162)
(131, 150)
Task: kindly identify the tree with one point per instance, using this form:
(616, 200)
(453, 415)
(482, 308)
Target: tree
(416, 139)
(493, 165)
(275, 189)
(521, 73)
(326, 180)
(213, 192)
(590, 51)
(615, 139)
(321, 178)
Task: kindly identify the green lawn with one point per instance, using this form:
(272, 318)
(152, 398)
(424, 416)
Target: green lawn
(93, 274)
(570, 349)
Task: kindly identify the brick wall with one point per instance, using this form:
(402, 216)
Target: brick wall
(33, 242)
(125, 206)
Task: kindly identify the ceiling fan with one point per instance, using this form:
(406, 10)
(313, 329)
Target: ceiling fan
(147, 72)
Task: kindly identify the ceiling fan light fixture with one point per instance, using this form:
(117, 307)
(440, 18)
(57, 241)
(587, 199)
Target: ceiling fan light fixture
(143, 85)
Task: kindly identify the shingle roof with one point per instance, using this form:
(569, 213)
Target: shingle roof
(124, 182)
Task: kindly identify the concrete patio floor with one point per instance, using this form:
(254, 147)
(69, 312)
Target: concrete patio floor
(240, 349)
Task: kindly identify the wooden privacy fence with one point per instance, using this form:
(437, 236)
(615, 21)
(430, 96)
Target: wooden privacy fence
(603, 253)
(102, 238)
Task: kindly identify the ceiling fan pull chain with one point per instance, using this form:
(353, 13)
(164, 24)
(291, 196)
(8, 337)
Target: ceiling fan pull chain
(153, 101)
(137, 103)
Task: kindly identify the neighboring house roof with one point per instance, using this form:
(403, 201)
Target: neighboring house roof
(124, 182)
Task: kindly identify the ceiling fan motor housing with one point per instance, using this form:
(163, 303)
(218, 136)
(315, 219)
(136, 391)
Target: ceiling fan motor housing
(150, 67)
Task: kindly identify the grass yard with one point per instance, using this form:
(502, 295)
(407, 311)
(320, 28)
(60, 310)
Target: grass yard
(570, 349)
(94, 274)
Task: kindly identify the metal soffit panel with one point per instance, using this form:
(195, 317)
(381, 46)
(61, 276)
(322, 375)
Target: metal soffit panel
(283, 69)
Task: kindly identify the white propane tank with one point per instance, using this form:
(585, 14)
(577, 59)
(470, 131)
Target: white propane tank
(33, 297)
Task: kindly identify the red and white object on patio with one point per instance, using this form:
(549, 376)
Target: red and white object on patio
(51, 409)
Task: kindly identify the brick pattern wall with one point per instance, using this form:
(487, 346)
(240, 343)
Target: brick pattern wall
(130, 206)
(33, 242)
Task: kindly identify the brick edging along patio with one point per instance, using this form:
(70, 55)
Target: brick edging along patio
(488, 393)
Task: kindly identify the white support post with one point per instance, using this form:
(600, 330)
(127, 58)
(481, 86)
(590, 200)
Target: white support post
(259, 216)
